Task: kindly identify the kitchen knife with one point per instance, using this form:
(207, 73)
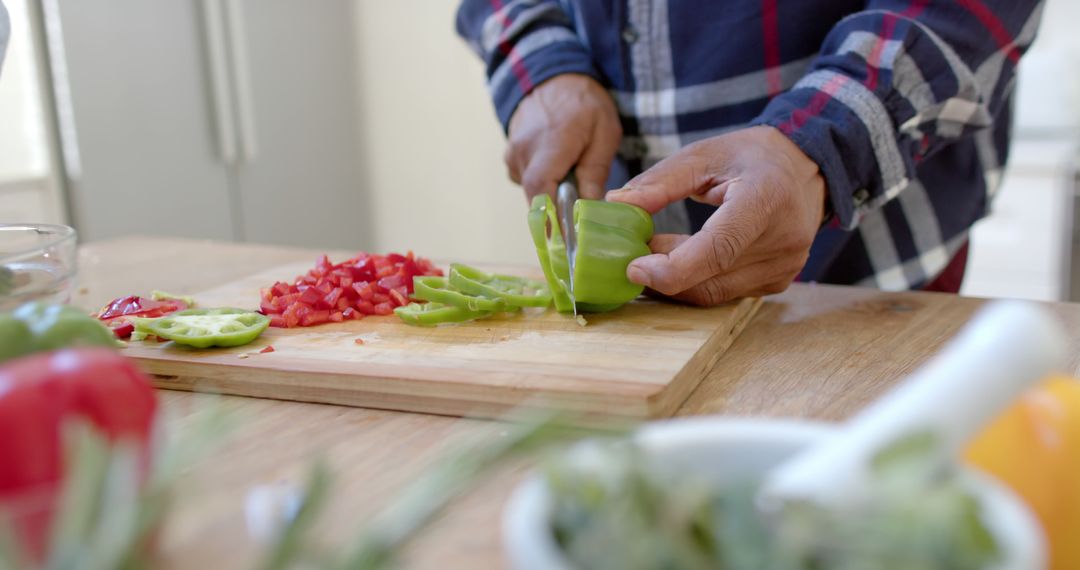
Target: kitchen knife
(566, 196)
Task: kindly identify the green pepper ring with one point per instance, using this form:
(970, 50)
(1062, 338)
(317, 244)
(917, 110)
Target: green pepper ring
(438, 290)
(237, 327)
(508, 288)
(431, 314)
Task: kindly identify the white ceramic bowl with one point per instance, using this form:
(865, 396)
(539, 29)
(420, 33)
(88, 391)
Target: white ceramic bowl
(725, 450)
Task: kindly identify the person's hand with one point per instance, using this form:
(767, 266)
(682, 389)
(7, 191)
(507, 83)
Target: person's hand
(567, 120)
(771, 200)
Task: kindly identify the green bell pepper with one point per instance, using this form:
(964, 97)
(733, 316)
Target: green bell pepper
(41, 327)
(515, 292)
(7, 280)
(16, 339)
(203, 328)
(431, 314)
(439, 290)
(609, 236)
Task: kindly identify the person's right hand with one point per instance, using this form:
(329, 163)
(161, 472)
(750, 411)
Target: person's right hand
(566, 121)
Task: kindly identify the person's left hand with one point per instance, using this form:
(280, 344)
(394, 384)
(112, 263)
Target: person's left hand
(771, 199)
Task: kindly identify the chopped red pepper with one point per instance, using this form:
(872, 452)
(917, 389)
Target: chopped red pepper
(399, 299)
(364, 285)
(121, 328)
(268, 348)
(116, 313)
(359, 341)
(135, 306)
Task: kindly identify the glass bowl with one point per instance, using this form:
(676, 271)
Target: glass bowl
(37, 263)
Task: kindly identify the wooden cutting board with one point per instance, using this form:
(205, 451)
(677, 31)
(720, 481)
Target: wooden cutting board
(639, 361)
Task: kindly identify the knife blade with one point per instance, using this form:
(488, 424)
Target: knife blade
(565, 198)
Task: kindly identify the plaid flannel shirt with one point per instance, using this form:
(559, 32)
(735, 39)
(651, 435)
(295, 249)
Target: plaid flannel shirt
(903, 104)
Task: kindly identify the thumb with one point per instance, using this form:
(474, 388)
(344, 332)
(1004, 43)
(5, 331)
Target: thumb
(678, 176)
(713, 251)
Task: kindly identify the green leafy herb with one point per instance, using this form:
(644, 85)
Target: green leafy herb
(613, 509)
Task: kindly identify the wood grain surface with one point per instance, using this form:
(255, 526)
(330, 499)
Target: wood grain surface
(819, 352)
(639, 361)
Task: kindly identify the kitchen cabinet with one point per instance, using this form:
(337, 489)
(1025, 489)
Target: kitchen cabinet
(226, 119)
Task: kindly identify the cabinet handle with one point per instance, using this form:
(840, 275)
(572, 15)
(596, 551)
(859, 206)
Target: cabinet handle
(237, 33)
(220, 86)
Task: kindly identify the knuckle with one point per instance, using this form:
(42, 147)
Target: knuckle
(512, 169)
(777, 287)
(533, 179)
(613, 127)
(725, 246)
(669, 285)
(805, 240)
(795, 244)
(795, 266)
(708, 293)
(796, 261)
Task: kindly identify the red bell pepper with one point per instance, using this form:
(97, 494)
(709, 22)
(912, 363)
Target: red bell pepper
(39, 394)
(334, 292)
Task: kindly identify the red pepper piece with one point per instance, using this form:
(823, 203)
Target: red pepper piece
(398, 299)
(39, 395)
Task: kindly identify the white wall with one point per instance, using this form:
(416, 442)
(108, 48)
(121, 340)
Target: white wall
(1048, 91)
(433, 148)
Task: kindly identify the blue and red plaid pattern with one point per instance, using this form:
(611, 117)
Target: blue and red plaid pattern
(904, 104)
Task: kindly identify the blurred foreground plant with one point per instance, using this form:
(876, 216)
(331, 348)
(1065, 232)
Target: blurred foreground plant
(615, 509)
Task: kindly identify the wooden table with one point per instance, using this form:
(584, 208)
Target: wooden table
(816, 351)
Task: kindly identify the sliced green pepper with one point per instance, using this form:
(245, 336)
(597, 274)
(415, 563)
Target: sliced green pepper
(41, 327)
(439, 290)
(514, 291)
(431, 314)
(609, 236)
(163, 296)
(203, 328)
(551, 249)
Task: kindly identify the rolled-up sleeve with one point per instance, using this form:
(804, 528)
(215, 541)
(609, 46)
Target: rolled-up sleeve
(522, 43)
(896, 82)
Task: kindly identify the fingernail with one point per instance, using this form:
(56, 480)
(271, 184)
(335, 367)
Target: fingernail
(618, 193)
(636, 274)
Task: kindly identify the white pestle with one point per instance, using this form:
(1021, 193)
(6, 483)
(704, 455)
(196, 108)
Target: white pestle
(1007, 348)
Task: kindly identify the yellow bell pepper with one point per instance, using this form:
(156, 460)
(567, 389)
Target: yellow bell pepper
(1034, 448)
